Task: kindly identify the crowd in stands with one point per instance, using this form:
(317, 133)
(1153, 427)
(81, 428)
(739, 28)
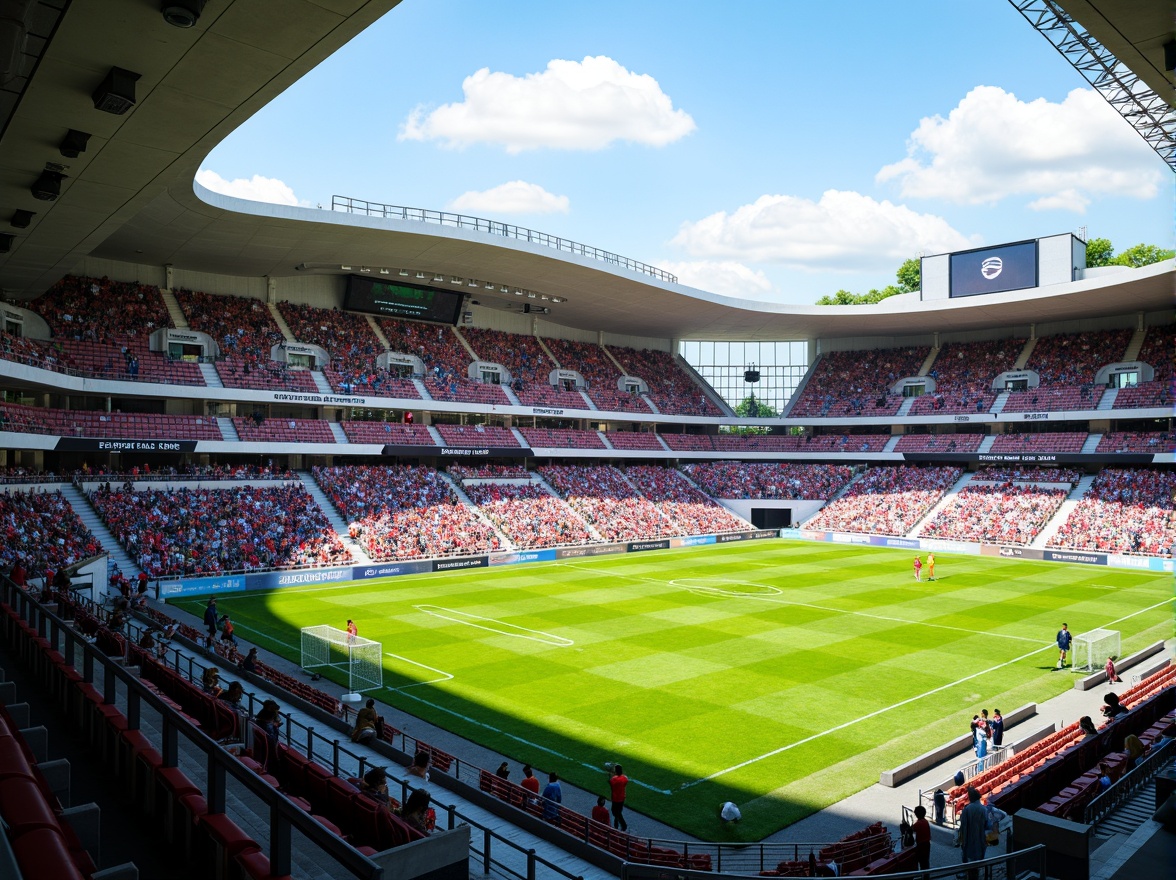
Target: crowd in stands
(489, 472)
(1046, 441)
(1054, 398)
(1125, 511)
(1137, 441)
(529, 515)
(445, 359)
(634, 440)
(563, 438)
(1002, 474)
(845, 443)
(370, 381)
(887, 500)
(87, 473)
(404, 512)
(939, 442)
(1156, 351)
(1075, 358)
(262, 430)
(191, 531)
(691, 511)
(476, 435)
(95, 423)
(609, 502)
(769, 480)
(688, 442)
(857, 383)
(346, 337)
(529, 365)
(42, 534)
(388, 432)
(963, 374)
(593, 363)
(670, 388)
(1000, 514)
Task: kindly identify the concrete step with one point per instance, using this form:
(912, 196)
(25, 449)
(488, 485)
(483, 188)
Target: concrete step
(228, 429)
(375, 325)
(518, 435)
(88, 515)
(465, 343)
(337, 432)
(650, 403)
(510, 395)
(943, 502)
(211, 377)
(334, 517)
(891, 443)
(1134, 346)
(1026, 353)
(905, 409)
(1063, 513)
(281, 322)
(507, 544)
(321, 383)
(986, 443)
(537, 478)
(436, 435)
(588, 402)
(1107, 401)
(929, 361)
(1090, 445)
(999, 404)
(421, 389)
(603, 439)
(179, 321)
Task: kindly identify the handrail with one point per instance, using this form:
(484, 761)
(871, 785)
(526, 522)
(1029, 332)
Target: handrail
(495, 227)
(95, 374)
(1130, 783)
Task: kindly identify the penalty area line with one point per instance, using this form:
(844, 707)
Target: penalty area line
(898, 705)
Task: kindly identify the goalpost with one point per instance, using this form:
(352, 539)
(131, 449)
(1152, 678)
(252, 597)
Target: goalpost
(362, 658)
(1091, 649)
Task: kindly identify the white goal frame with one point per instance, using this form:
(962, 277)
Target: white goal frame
(1091, 649)
(361, 658)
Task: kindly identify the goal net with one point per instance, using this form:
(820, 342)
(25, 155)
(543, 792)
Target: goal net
(1091, 649)
(361, 658)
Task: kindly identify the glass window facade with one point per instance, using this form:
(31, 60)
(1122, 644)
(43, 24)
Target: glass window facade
(781, 365)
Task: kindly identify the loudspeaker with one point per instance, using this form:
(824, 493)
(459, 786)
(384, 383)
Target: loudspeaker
(116, 93)
(6, 240)
(74, 143)
(21, 218)
(47, 187)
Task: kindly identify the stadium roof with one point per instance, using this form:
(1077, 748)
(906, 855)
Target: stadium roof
(130, 196)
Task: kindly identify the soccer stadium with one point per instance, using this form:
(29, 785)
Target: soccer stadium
(353, 539)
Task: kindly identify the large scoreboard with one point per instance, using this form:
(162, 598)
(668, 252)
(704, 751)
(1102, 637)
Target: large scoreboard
(392, 300)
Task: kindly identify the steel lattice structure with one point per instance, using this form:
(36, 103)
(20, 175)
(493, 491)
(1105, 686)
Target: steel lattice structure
(1147, 112)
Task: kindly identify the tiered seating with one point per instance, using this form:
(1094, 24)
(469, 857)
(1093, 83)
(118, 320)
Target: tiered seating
(609, 502)
(347, 337)
(207, 531)
(847, 443)
(251, 430)
(549, 396)
(529, 515)
(1137, 441)
(737, 479)
(489, 472)
(370, 381)
(692, 512)
(1006, 514)
(1157, 348)
(530, 367)
(388, 432)
(34, 352)
(137, 363)
(591, 362)
(446, 361)
(1054, 397)
(634, 440)
(1043, 442)
(405, 512)
(264, 375)
(563, 438)
(1125, 511)
(1028, 475)
(689, 442)
(1075, 358)
(887, 501)
(857, 383)
(43, 532)
(123, 426)
(963, 372)
(476, 435)
(939, 443)
(670, 388)
(995, 780)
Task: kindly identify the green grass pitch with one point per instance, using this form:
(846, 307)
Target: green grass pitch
(781, 675)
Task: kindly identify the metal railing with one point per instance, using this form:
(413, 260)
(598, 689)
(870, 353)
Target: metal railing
(1129, 784)
(110, 376)
(970, 770)
(495, 227)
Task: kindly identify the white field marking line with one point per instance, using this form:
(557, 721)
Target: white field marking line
(909, 700)
(445, 676)
(546, 638)
(712, 591)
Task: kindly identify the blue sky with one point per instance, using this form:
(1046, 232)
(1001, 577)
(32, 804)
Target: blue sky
(778, 150)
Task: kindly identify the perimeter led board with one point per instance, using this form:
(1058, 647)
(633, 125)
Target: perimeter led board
(401, 300)
(994, 269)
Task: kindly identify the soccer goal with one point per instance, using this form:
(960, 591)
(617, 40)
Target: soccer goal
(1091, 649)
(362, 658)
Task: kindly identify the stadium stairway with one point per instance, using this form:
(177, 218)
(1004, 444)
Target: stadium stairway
(1107, 401)
(799, 392)
(178, 319)
(998, 405)
(1023, 357)
(649, 403)
(986, 443)
(211, 377)
(436, 435)
(603, 439)
(465, 499)
(929, 362)
(88, 515)
(375, 325)
(538, 480)
(518, 435)
(321, 383)
(664, 444)
(905, 409)
(510, 395)
(281, 322)
(891, 443)
(338, 523)
(421, 389)
(465, 343)
(1135, 345)
(228, 429)
(939, 505)
(337, 432)
(1051, 528)
(1091, 443)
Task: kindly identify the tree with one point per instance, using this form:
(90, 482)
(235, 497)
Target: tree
(1099, 252)
(750, 408)
(910, 275)
(1141, 255)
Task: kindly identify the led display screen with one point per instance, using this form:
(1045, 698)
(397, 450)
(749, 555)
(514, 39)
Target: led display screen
(995, 269)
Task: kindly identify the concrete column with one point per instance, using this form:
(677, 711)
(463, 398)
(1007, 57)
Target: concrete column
(271, 289)
(167, 276)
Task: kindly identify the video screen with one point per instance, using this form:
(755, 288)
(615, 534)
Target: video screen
(995, 269)
(409, 301)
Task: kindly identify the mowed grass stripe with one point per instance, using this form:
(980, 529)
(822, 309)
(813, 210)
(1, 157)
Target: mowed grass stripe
(680, 685)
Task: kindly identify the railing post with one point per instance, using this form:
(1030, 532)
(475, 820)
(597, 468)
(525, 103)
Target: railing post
(335, 757)
(530, 864)
(280, 843)
(486, 851)
(449, 809)
(309, 739)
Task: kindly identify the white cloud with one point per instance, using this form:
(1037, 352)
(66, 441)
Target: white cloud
(514, 197)
(844, 230)
(256, 188)
(993, 146)
(725, 277)
(572, 105)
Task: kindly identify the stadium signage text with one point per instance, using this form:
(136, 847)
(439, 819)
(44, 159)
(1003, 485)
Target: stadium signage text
(1036, 417)
(457, 451)
(319, 576)
(963, 418)
(84, 444)
(543, 411)
(319, 398)
(454, 564)
(639, 546)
